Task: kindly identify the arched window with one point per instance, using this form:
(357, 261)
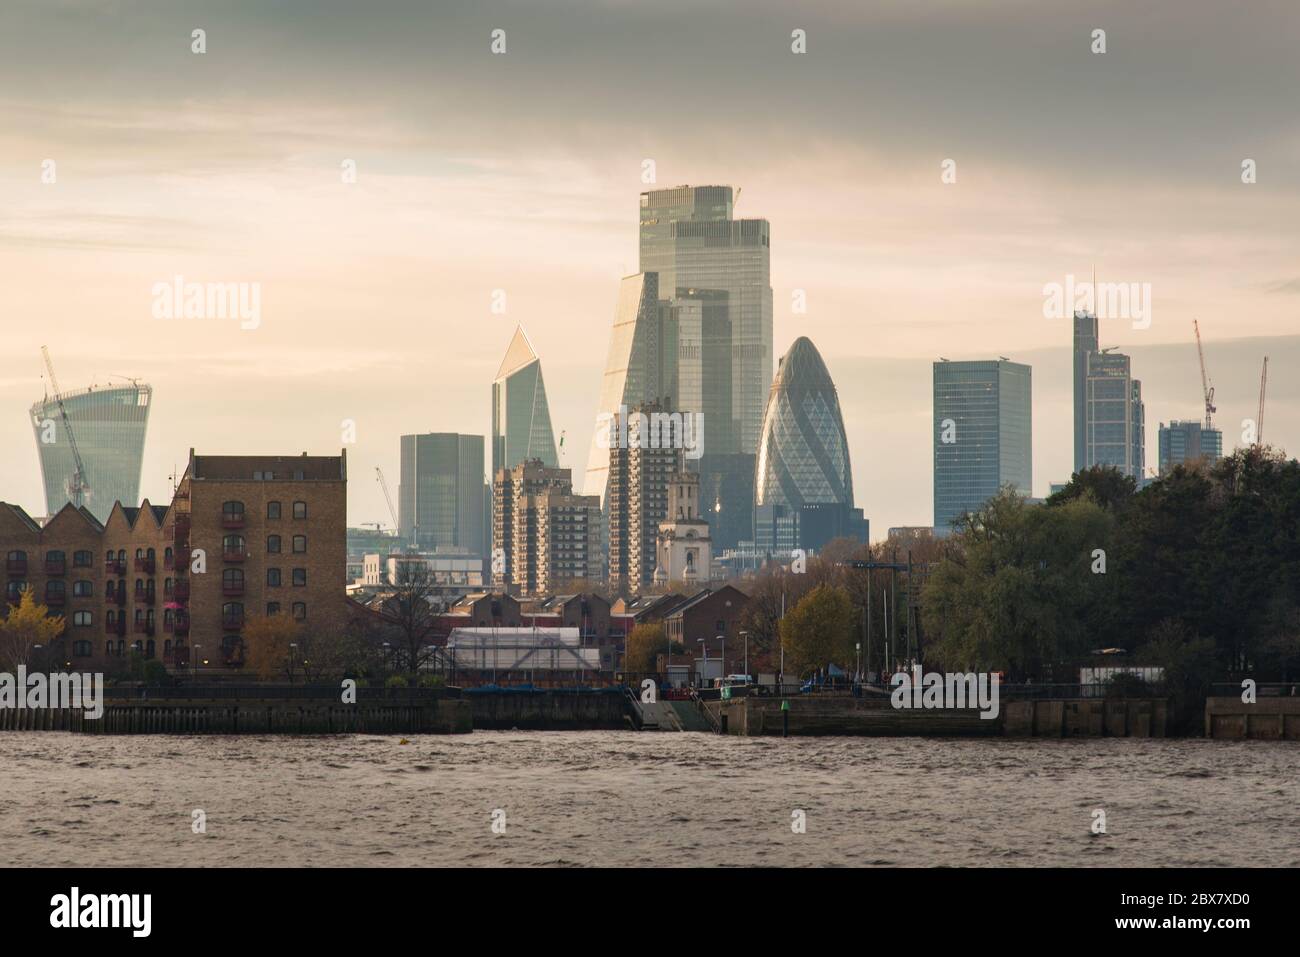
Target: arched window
(299, 509)
(83, 588)
(233, 544)
(82, 619)
(83, 558)
(299, 544)
(273, 544)
(81, 649)
(272, 509)
(300, 611)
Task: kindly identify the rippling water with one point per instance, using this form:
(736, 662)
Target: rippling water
(622, 798)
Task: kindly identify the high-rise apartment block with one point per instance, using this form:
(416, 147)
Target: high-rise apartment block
(640, 470)
(548, 537)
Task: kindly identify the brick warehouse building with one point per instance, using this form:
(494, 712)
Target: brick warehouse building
(273, 535)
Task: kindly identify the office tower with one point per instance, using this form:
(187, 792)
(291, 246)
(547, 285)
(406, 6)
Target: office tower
(440, 495)
(1114, 431)
(683, 547)
(803, 477)
(549, 537)
(1188, 442)
(1085, 343)
(715, 273)
(983, 434)
(640, 470)
(109, 427)
(521, 418)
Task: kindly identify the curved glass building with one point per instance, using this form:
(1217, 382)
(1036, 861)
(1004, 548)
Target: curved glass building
(109, 426)
(803, 481)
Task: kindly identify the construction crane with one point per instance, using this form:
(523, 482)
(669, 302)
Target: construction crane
(78, 489)
(1259, 420)
(1206, 388)
(379, 475)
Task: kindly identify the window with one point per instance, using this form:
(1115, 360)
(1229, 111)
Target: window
(109, 557)
(299, 577)
(82, 619)
(81, 649)
(139, 553)
(232, 579)
(121, 556)
(233, 511)
(167, 555)
(299, 509)
(273, 544)
(272, 608)
(272, 509)
(232, 611)
(139, 586)
(300, 610)
(56, 589)
(273, 577)
(149, 648)
(232, 544)
(108, 648)
(14, 590)
(83, 588)
(82, 558)
(112, 618)
(299, 544)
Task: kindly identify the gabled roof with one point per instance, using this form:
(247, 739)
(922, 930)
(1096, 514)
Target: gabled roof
(81, 512)
(21, 514)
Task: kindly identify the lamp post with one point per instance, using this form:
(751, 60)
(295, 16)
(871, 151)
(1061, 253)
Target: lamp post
(293, 650)
(745, 635)
(722, 656)
(194, 667)
(704, 650)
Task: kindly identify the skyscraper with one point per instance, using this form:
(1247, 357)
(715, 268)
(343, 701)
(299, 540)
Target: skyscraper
(521, 417)
(1109, 414)
(548, 536)
(639, 477)
(1186, 442)
(803, 478)
(109, 428)
(689, 238)
(983, 434)
(440, 495)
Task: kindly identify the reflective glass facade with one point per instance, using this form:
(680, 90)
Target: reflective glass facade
(109, 426)
(521, 417)
(803, 467)
(982, 434)
(441, 492)
(1182, 443)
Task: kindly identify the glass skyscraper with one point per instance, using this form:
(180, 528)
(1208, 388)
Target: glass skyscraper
(803, 495)
(1109, 414)
(718, 269)
(1185, 442)
(109, 427)
(521, 417)
(441, 492)
(983, 434)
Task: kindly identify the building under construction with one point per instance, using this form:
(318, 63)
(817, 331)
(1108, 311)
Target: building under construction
(108, 426)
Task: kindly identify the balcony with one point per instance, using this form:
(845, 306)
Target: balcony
(16, 566)
(182, 626)
(182, 558)
(115, 567)
(119, 599)
(232, 519)
(232, 622)
(181, 589)
(231, 589)
(121, 626)
(146, 597)
(234, 555)
(56, 566)
(146, 565)
(56, 600)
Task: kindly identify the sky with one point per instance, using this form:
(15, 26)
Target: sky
(520, 171)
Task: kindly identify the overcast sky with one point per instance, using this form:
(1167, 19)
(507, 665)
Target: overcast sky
(521, 172)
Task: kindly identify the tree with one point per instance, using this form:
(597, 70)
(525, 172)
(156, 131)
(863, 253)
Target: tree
(644, 645)
(1104, 484)
(27, 625)
(412, 612)
(266, 647)
(818, 630)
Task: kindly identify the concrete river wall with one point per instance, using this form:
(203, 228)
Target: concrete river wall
(1268, 719)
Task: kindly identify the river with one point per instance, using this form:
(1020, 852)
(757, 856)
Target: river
(623, 798)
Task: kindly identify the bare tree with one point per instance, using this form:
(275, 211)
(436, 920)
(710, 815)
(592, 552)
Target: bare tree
(411, 612)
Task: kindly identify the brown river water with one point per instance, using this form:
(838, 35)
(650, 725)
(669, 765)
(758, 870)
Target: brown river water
(626, 799)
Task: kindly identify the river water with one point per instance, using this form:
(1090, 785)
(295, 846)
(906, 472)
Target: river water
(623, 798)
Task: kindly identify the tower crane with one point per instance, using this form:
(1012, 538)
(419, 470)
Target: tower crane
(1259, 420)
(1206, 388)
(78, 489)
(379, 476)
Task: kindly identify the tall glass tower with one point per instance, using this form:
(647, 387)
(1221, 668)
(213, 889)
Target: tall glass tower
(982, 433)
(440, 498)
(702, 255)
(521, 417)
(109, 427)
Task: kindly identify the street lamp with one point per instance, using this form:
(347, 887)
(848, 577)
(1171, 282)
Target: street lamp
(704, 650)
(745, 635)
(194, 665)
(722, 655)
(293, 648)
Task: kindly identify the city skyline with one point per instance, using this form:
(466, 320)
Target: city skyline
(370, 286)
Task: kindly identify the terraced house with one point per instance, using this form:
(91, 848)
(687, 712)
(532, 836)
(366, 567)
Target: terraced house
(243, 535)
